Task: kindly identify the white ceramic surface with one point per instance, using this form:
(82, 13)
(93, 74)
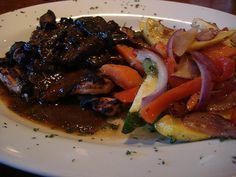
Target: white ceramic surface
(23, 148)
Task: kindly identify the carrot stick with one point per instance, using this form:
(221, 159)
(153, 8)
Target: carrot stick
(124, 76)
(151, 111)
(129, 55)
(127, 96)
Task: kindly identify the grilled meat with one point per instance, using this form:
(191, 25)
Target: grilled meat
(62, 59)
(48, 20)
(59, 85)
(96, 61)
(14, 80)
(104, 105)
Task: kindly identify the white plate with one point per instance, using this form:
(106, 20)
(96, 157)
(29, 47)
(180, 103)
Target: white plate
(61, 156)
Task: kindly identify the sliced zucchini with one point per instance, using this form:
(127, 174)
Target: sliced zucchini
(173, 127)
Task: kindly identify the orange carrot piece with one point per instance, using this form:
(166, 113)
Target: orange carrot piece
(129, 55)
(127, 96)
(124, 76)
(151, 111)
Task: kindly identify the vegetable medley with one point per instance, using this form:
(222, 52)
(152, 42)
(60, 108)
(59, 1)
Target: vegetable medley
(183, 83)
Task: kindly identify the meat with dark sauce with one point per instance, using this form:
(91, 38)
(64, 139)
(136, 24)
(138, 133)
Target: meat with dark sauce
(61, 62)
(104, 105)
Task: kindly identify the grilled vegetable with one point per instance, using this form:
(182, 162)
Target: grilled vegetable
(172, 127)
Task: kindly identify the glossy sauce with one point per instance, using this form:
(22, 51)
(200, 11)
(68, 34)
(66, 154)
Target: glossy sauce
(67, 116)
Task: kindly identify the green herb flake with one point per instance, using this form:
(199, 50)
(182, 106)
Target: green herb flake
(222, 139)
(80, 140)
(51, 136)
(149, 66)
(35, 129)
(155, 149)
(172, 140)
(128, 152)
(137, 5)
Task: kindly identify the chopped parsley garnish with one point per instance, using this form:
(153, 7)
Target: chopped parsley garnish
(50, 136)
(36, 129)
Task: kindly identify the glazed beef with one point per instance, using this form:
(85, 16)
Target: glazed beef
(62, 59)
(14, 79)
(59, 85)
(48, 20)
(96, 26)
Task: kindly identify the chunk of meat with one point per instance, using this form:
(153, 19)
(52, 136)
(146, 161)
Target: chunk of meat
(104, 105)
(48, 20)
(211, 124)
(96, 26)
(96, 61)
(13, 79)
(59, 85)
(93, 87)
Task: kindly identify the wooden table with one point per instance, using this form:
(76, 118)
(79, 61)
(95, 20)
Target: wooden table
(9, 5)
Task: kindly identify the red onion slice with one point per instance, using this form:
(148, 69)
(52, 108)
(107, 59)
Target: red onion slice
(207, 83)
(170, 43)
(161, 72)
(183, 40)
(207, 34)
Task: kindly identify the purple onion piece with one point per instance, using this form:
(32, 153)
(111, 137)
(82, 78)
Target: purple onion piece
(161, 72)
(207, 34)
(207, 83)
(170, 42)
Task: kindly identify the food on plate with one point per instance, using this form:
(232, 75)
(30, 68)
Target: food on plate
(77, 75)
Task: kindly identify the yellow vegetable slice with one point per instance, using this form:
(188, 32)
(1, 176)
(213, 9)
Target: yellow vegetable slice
(174, 128)
(222, 35)
(147, 87)
(154, 32)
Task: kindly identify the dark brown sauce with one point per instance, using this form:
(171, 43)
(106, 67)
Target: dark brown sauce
(69, 117)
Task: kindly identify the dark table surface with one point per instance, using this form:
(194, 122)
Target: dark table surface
(9, 5)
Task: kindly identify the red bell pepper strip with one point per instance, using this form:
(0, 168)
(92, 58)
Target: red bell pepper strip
(127, 96)
(151, 111)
